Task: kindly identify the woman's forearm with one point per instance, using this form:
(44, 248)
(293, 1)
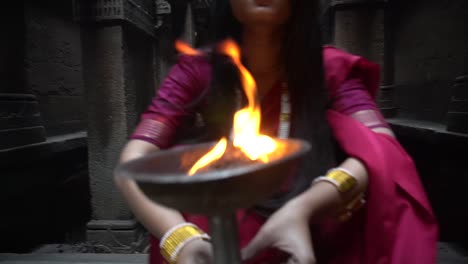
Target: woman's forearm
(157, 219)
(323, 199)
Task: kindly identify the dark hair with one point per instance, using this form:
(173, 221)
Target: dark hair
(302, 54)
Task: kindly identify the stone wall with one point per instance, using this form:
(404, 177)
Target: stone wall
(430, 51)
(44, 193)
(53, 65)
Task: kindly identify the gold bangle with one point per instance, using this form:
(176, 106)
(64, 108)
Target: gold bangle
(345, 181)
(177, 237)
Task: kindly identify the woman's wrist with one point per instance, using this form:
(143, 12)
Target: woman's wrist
(319, 201)
(325, 198)
(177, 238)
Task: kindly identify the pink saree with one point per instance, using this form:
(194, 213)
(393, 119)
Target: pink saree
(397, 225)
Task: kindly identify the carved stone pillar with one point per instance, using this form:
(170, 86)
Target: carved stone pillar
(118, 75)
(362, 27)
(20, 120)
(189, 33)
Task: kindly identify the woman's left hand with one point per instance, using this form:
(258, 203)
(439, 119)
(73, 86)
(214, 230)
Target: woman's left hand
(286, 230)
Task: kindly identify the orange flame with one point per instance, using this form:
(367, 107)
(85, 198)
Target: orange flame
(184, 48)
(215, 154)
(246, 128)
(247, 135)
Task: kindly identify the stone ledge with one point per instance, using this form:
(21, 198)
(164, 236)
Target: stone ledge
(431, 132)
(350, 4)
(51, 146)
(112, 224)
(74, 258)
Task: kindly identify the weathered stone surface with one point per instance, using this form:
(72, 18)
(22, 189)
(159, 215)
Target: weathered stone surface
(440, 157)
(430, 52)
(53, 67)
(107, 125)
(44, 193)
(63, 113)
(119, 84)
(112, 224)
(74, 258)
(457, 122)
(139, 14)
(20, 121)
(12, 49)
(118, 241)
(361, 31)
(425, 100)
(457, 115)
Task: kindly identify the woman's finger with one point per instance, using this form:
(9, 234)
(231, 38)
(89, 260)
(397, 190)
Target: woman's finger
(306, 259)
(259, 242)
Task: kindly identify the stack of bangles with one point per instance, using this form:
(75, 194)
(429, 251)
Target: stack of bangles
(177, 237)
(344, 181)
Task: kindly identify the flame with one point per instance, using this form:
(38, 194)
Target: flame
(184, 48)
(214, 154)
(246, 127)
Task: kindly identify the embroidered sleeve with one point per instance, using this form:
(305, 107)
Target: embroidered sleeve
(353, 99)
(175, 102)
(154, 131)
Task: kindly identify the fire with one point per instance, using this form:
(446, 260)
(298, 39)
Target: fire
(215, 154)
(186, 49)
(246, 127)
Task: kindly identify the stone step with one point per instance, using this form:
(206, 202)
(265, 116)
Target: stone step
(447, 254)
(75, 258)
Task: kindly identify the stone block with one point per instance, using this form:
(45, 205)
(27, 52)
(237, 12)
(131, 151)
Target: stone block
(139, 13)
(112, 224)
(18, 113)
(22, 136)
(63, 114)
(73, 258)
(460, 88)
(458, 106)
(116, 235)
(112, 238)
(457, 122)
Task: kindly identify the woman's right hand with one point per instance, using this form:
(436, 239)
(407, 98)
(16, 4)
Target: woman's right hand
(196, 252)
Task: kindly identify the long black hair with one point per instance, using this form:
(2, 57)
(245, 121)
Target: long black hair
(302, 57)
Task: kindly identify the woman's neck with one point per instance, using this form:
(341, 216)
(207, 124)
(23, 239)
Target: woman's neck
(261, 50)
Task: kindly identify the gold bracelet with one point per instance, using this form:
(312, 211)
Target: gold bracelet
(344, 179)
(177, 237)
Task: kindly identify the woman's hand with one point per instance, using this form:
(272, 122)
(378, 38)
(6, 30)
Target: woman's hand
(286, 230)
(196, 252)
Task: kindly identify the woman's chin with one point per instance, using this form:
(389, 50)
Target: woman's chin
(264, 3)
(264, 15)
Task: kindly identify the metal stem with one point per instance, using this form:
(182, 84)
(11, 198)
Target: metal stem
(223, 229)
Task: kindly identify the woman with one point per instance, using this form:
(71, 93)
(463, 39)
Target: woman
(279, 41)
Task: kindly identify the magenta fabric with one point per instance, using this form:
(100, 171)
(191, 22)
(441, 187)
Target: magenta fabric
(352, 96)
(350, 92)
(341, 66)
(171, 106)
(397, 226)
